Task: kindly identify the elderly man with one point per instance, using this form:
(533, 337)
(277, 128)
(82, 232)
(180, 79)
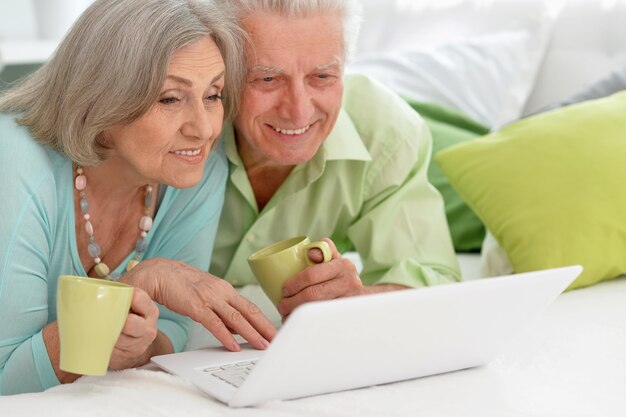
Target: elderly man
(312, 153)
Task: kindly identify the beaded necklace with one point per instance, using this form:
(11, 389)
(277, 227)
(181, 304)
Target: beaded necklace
(145, 224)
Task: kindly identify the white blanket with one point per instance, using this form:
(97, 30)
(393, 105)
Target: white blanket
(571, 363)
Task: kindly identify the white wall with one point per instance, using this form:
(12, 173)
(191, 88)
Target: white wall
(17, 19)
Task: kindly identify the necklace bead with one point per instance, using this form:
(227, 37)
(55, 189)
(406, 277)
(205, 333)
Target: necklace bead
(131, 264)
(80, 182)
(102, 270)
(145, 224)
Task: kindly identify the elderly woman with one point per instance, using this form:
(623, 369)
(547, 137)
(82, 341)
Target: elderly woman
(110, 169)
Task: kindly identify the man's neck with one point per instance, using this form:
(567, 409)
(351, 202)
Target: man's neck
(265, 182)
(265, 176)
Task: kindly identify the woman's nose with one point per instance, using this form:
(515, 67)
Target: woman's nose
(199, 123)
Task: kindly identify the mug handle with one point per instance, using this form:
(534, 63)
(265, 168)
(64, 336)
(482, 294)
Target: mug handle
(321, 245)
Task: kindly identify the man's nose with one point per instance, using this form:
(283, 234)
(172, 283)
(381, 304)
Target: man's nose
(297, 105)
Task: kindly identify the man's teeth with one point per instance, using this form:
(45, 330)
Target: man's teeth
(188, 153)
(292, 132)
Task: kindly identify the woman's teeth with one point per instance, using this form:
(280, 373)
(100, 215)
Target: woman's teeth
(290, 131)
(188, 153)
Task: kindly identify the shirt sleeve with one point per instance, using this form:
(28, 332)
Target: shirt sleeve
(402, 234)
(191, 228)
(26, 226)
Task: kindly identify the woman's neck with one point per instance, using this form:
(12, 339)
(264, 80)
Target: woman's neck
(111, 180)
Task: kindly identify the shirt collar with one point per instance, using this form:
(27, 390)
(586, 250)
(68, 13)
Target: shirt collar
(230, 145)
(344, 141)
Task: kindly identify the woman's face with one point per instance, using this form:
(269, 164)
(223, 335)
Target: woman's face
(171, 141)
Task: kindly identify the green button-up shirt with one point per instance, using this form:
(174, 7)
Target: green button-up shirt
(366, 188)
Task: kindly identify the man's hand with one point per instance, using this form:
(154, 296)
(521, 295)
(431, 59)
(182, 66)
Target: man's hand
(325, 281)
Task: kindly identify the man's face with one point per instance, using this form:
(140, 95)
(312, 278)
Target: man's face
(294, 88)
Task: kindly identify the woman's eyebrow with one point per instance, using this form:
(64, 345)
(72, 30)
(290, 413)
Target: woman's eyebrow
(217, 77)
(181, 80)
(189, 83)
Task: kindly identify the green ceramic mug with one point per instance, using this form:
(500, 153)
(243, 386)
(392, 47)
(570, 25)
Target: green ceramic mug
(91, 314)
(275, 264)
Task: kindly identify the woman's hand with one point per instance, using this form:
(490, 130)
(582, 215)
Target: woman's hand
(209, 300)
(133, 346)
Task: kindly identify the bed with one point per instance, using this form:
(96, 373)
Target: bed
(570, 363)
(500, 60)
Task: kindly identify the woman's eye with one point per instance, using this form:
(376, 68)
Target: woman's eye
(168, 100)
(215, 97)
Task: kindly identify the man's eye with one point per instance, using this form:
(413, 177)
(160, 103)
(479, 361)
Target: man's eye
(168, 100)
(268, 79)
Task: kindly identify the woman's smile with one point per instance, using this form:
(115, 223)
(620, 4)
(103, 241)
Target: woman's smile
(189, 155)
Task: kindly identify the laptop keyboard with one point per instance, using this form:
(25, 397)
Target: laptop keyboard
(232, 373)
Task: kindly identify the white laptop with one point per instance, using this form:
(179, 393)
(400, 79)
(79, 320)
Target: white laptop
(348, 343)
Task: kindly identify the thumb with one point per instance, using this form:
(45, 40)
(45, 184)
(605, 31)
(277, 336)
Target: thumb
(316, 255)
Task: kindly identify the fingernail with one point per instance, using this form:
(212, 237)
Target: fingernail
(265, 343)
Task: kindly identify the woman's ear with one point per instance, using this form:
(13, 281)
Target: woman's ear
(103, 140)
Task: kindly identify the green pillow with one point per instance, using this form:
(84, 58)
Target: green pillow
(450, 127)
(552, 188)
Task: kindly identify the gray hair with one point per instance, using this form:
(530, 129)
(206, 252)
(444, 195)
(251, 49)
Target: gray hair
(350, 10)
(111, 66)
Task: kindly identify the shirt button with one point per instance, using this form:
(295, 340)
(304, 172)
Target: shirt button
(251, 237)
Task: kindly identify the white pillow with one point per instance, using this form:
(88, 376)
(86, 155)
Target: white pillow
(488, 77)
(480, 57)
(494, 261)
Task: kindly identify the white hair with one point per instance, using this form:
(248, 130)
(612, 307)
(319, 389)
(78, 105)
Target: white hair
(350, 10)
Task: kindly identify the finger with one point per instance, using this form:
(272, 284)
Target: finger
(323, 291)
(333, 248)
(316, 255)
(313, 275)
(127, 343)
(143, 305)
(340, 279)
(255, 317)
(236, 321)
(217, 327)
(135, 326)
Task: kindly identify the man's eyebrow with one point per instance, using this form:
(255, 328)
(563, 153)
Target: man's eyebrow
(327, 66)
(189, 83)
(276, 70)
(263, 68)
